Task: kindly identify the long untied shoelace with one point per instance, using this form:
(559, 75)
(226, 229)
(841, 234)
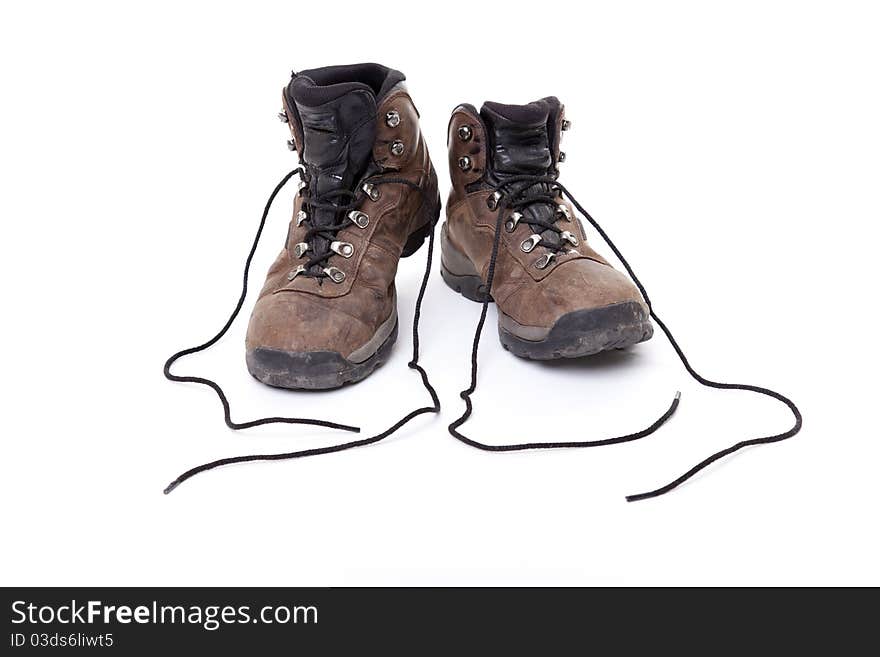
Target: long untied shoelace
(413, 364)
(518, 196)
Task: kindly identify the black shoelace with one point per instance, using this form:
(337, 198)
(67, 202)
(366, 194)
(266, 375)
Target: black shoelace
(512, 195)
(338, 201)
(525, 193)
(413, 364)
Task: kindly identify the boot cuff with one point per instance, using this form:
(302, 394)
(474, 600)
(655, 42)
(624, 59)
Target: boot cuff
(321, 85)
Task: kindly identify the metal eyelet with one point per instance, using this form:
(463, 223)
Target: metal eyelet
(392, 119)
(296, 272)
(544, 261)
(561, 157)
(291, 145)
(300, 249)
(301, 216)
(464, 163)
(372, 191)
(397, 148)
(493, 200)
(510, 224)
(529, 244)
(564, 211)
(345, 249)
(336, 275)
(282, 116)
(566, 124)
(569, 237)
(359, 219)
(465, 133)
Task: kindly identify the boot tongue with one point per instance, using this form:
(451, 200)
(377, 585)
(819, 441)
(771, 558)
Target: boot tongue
(519, 144)
(339, 129)
(518, 137)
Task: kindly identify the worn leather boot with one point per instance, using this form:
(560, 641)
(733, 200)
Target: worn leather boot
(556, 297)
(327, 313)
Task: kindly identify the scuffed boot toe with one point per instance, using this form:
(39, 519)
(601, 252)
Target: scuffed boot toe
(314, 370)
(292, 342)
(579, 333)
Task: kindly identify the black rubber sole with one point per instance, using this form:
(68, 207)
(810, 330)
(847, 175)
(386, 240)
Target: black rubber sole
(470, 287)
(313, 370)
(577, 334)
(585, 333)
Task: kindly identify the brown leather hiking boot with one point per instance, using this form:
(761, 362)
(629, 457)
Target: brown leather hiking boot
(556, 297)
(327, 313)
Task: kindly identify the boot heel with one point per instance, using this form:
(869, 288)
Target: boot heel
(470, 287)
(459, 272)
(429, 214)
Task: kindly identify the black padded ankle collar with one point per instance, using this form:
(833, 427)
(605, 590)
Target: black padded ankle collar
(321, 85)
(536, 112)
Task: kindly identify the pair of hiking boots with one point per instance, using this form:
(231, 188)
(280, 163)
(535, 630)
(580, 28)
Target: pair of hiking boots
(369, 195)
(327, 314)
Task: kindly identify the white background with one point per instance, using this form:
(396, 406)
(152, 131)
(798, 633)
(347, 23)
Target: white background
(730, 150)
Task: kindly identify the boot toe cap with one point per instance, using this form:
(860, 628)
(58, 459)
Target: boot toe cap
(580, 309)
(575, 286)
(300, 343)
(293, 323)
